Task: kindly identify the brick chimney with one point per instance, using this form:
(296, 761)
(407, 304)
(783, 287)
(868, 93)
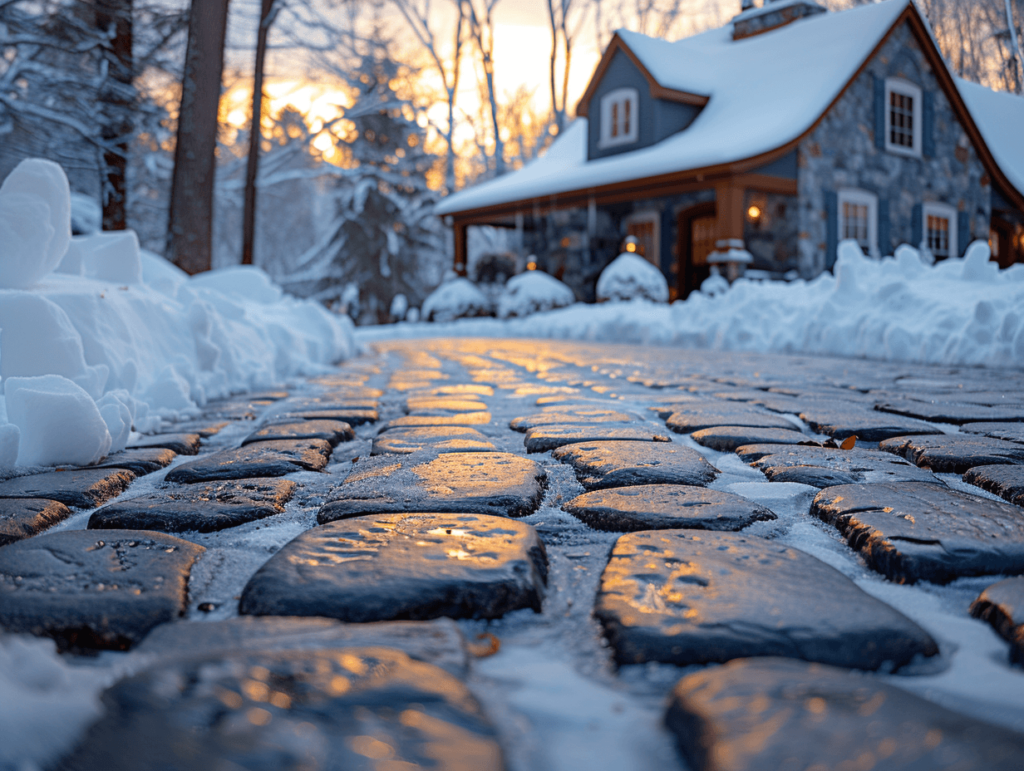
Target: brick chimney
(772, 15)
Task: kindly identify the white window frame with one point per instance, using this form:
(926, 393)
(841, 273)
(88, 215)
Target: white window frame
(654, 218)
(905, 88)
(947, 212)
(859, 198)
(620, 96)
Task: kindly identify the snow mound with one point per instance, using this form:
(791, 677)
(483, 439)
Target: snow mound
(35, 222)
(455, 299)
(86, 215)
(118, 338)
(631, 277)
(960, 311)
(532, 292)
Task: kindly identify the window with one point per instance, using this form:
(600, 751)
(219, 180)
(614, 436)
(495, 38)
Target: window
(646, 228)
(619, 117)
(939, 229)
(902, 117)
(858, 219)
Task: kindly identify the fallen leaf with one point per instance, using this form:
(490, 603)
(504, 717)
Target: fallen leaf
(848, 443)
(484, 649)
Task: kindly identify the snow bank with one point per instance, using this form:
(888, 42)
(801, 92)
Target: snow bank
(631, 277)
(533, 292)
(456, 299)
(118, 338)
(959, 311)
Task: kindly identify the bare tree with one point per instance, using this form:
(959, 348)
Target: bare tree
(268, 12)
(480, 14)
(1015, 49)
(190, 222)
(419, 17)
(114, 20)
(565, 18)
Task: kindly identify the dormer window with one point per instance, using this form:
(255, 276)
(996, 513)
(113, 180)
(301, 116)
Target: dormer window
(902, 117)
(619, 117)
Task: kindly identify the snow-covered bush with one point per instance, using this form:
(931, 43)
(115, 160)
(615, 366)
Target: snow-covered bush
(532, 292)
(456, 299)
(118, 337)
(631, 277)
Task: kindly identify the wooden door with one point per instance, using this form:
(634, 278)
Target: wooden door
(697, 235)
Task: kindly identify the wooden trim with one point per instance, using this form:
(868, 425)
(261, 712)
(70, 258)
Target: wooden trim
(765, 183)
(658, 91)
(729, 195)
(686, 278)
(681, 181)
(461, 251)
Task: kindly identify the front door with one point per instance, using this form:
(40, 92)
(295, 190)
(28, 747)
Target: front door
(697, 236)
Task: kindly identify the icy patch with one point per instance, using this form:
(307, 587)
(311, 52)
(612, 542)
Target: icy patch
(631, 277)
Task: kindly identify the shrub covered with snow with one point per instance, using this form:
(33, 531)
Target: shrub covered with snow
(631, 277)
(118, 338)
(456, 299)
(532, 292)
(960, 311)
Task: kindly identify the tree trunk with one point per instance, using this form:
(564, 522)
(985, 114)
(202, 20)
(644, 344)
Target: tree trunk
(190, 222)
(114, 17)
(267, 12)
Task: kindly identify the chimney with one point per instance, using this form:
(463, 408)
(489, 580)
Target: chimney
(772, 15)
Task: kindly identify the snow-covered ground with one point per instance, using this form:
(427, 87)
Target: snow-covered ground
(959, 311)
(98, 336)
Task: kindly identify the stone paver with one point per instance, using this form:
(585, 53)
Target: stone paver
(260, 459)
(348, 708)
(955, 453)
(1005, 481)
(686, 597)
(438, 642)
(600, 465)
(665, 507)
(403, 566)
(730, 438)
(501, 484)
(25, 517)
(1002, 605)
(546, 438)
(772, 714)
(421, 473)
(203, 507)
(81, 488)
(333, 431)
(824, 467)
(916, 531)
(405, 441)
(94, 590)
(181, 443)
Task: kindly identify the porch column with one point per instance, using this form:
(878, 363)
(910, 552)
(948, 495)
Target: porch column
(459, 234)
(729, 208)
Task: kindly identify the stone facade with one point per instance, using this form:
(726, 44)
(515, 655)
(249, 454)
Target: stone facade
(841, 153)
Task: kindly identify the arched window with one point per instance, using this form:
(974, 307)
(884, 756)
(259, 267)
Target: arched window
(619, 117)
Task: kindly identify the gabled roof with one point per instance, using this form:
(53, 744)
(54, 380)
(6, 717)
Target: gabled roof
(1000, 117)
(765, 93)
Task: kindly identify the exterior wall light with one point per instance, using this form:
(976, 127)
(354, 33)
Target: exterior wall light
(754, 214)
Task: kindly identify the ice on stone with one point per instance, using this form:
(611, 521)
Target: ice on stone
(35, 222)
(631, 277)
(58, 421)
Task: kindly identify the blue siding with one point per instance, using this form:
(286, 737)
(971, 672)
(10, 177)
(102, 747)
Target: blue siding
(928, 124)
(916, 226)
(879, 113)
(963, 231)
(658, 119)
(785, 167)
(831, 228)
(884, 228)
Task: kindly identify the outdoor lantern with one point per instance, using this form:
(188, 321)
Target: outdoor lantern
(729, 252)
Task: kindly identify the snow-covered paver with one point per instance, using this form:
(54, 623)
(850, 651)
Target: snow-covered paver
(548, 691)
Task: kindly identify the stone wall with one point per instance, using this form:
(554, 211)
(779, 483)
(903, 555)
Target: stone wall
(841, 152)
(772, 239)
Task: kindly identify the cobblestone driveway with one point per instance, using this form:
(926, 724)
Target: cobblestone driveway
(484, 554)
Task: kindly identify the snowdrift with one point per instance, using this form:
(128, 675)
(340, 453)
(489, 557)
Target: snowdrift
(98, 338)
(961, 311)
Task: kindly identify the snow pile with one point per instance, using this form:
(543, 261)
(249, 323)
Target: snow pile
(37, 688)
(456, 299)
(631, 277)
(958, 311)
(118, 338)
(532, 292)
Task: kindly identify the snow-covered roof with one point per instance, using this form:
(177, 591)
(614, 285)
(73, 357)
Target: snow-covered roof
(1000, 118)
(765, 91)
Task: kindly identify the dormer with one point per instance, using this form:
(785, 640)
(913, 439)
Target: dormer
(771, 15)
(627, 109)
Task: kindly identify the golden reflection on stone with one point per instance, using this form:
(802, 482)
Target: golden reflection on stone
(816, 705)
(229, 699)
(339, 685)
(353, 664)
(258, 716)
(256, 690)
(280, 700)
(371, 748)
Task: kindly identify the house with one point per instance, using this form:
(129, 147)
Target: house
(783, 132)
